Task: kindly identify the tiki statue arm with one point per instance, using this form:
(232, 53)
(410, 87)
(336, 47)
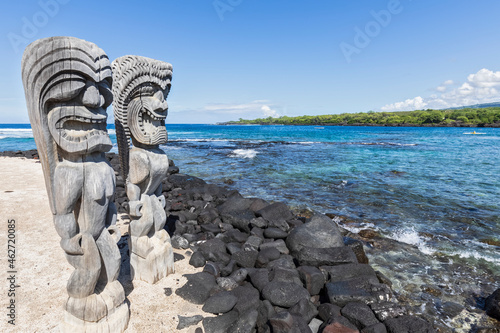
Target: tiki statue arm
(67, 191)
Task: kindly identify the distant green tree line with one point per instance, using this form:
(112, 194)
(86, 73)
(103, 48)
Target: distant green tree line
(429, 117)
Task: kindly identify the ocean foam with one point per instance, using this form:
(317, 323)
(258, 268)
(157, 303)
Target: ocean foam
(411, 236)
(16, 133)
(476, 255)
(244, 153)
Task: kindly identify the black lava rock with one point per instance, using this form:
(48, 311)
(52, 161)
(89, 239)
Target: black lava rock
(221, 302)
(278, 244)
(240, 220)
(246, 322)
(328, 310)
(349, 271)
(284, 294)
(357, 248)
(313, 279)
(357, 289)
(408, 324)
(197, 259)
(220, 323)
(304, 308)
(245, 258)
(198, 287)
(359, 314)
(188, 321)
(320, 232)
(259, 277)
(266, 255)
(179, 242)
(376, 328)
(492, 305)
(226, 283)
(275, 233)
(248, 298)
(386, 310)
(310, 256)
(275, 211)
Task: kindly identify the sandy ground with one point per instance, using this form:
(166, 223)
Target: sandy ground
(42, 270)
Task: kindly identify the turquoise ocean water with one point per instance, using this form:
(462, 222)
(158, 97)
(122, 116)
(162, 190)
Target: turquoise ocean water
(437, 189)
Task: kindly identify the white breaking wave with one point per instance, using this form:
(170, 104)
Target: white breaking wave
(305, 142)
(411, 236)
(199, 140)
(16, 133)
(476, 255)
(243, 153)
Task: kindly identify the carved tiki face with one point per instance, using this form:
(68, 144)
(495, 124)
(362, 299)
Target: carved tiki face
(140, 89)
(77, 117)
(146, 114)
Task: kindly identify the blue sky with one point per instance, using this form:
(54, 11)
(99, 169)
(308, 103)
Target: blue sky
(256, 58)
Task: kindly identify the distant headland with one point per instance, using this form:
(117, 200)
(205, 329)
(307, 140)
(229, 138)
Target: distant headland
(482, 115)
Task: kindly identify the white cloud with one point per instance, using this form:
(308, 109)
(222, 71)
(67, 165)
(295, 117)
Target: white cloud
(409, 104)
(481, 87)
(259, 107)
(268, 112)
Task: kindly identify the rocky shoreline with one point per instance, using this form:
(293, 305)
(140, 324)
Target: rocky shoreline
(268, 269)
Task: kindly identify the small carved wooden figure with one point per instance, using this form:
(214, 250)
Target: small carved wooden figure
(67, 83)
(140, 89)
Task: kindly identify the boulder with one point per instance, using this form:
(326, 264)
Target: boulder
(349, 271)
(358, 289)
(284, 322)
(313, 256)
(284, 294)
(234, 204)
(278, 244)
(304, 308)
(214, 250)
(386, 310)
(246, 322)
(328, 310)
(408, 324)
(226, 283)
(359, 314)
(275, 212)
(220, 323)
(179, 242)
(197, 259)
(266, 255)
(320, 232)
(245, 258)
(240, 220)
(275, 233)
(188, 321)
(248, 298)
(284, 274)
(259, 277)
(357, 248)
(492, 305)
(312, 278)
(221, 302)
(376, 328)
(197, 288)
